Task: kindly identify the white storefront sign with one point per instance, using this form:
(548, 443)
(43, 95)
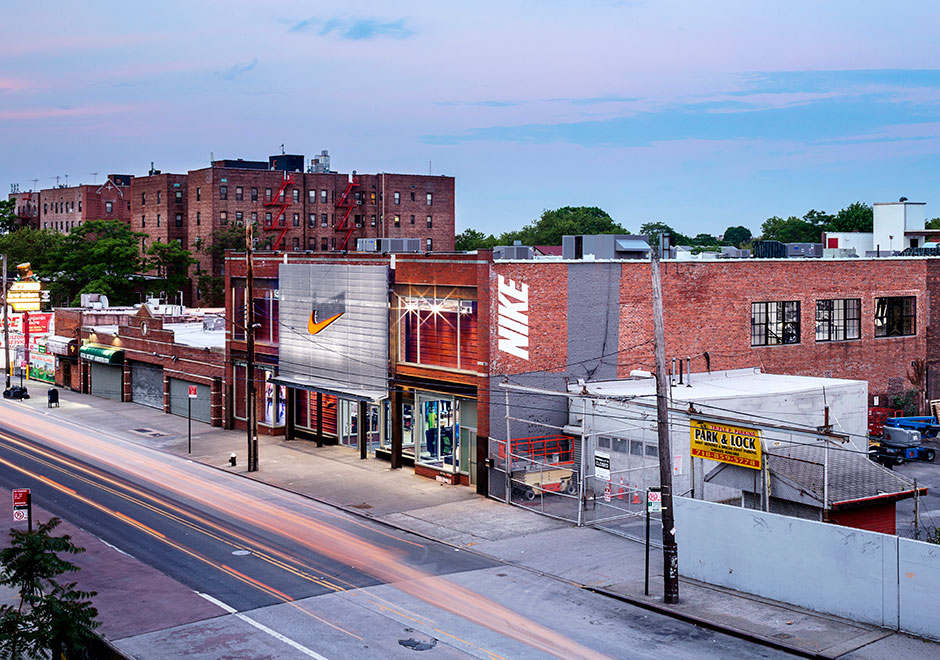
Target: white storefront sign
(512, 317)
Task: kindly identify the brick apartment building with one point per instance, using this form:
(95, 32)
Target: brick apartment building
(65, 208)
(26, 208)
(295, 210)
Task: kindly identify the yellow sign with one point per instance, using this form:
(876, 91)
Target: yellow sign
(728, 444)
(24, 296)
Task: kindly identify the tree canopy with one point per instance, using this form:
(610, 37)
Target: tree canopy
(737, 236)
(548, 229)
(101, 256)
(172, 264)
(39, 247)
(8, 220)
(855, 217)
(53, 619)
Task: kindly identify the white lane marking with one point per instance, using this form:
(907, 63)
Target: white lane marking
(114, 547)
(263, 628)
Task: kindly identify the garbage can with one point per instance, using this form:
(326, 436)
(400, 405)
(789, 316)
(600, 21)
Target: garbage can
(53, 397)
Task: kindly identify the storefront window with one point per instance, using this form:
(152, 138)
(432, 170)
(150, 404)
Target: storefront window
(349, 425)
(438, 331)
(275, 399)
(306, 412)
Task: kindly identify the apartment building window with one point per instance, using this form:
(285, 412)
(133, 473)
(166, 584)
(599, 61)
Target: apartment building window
(223, 217)
(280, 195)
(158, 219)
(412, 195)
(398, 198)
(774, 323)
(223, 192)
(429, 244)
(312, 243)
(324, 220)
(198, 194)
(398, 221)
(296, 219)
(267, 194)
(179, 196)
(109, 207)
(373, 221)
(895, 316)
(179, 219)
(79, 205)
(372, 198)
(267, 219)
(198, 218)
(323, 197)
(239, 193)
(143, 221)
(296, 243)
(429, 222)
(333, 243)
(312, 220)
(412, 218)
(324, 244)
(254, 217)
(296, 195)
(429, 199)
(358, 196)
(45, 208)
(159, 196)
(143, 199)
(312, 196)
(254, 194)
(358, 220)
(239, 218)
(838, 319)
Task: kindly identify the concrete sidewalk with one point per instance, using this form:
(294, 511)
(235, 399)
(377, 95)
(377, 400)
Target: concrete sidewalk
(455, 515)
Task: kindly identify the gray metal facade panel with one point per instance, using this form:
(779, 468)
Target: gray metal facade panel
(593, 320)
(179, 400)
(147, 384)
(106, 381)
(352, 351)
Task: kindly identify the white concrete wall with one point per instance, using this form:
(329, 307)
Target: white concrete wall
(860, 575)
(862, 242)
(889, 227)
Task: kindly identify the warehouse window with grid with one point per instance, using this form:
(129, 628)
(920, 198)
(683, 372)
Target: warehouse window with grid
(895, 316)
(774, 323)
(838, 319)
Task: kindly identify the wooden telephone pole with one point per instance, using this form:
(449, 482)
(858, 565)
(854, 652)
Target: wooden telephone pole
(250, 341)
(670, 551)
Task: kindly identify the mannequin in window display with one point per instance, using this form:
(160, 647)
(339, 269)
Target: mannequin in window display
(430, 433)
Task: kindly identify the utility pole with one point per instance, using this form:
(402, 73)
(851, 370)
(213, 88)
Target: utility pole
(670, 551)
(6, 327)
(250, 340)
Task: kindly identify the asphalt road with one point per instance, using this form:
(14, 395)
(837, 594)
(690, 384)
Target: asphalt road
(256, 572)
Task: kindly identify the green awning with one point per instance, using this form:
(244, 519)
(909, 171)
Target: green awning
(104, 354)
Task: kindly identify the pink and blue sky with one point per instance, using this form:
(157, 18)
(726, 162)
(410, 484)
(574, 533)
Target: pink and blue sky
(701, 115)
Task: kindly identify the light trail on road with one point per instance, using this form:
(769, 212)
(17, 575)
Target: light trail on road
(170, 473)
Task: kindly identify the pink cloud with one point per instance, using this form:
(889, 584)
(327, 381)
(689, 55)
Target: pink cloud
(82, 111)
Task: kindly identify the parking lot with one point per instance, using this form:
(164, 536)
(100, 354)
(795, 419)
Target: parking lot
(927, 476)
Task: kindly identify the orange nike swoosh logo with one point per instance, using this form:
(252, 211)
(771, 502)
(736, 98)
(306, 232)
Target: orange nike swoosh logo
(314, 328)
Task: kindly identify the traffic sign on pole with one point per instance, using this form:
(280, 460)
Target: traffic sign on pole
(192, 392)
(22, 509)
(654, 501)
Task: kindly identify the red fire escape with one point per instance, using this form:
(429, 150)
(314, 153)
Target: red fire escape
(279, 219)
(346, 205)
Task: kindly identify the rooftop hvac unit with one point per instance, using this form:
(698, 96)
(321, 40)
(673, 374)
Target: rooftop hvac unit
(388, 245)
(513, 252)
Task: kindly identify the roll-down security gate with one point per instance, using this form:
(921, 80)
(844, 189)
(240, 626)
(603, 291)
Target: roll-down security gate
(179, 400)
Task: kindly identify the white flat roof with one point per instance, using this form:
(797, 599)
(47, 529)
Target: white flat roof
(716, 385)
(192, 334)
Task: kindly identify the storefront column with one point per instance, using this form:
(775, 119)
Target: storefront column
(396, 429)
(362, 425)
(319, 419)
(483, 468)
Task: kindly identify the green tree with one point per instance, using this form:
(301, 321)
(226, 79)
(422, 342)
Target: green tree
(52, 618)
(101, 256)
(933, 223)
(568, 220)
(212, 289)
(172, 264)
(8, 219)
(854, 217)
(231, 238)
(472, 239)
(704, 239)
(819, 220)
(39, 247)
(737, 236)
(791, 230)
(654, 229)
